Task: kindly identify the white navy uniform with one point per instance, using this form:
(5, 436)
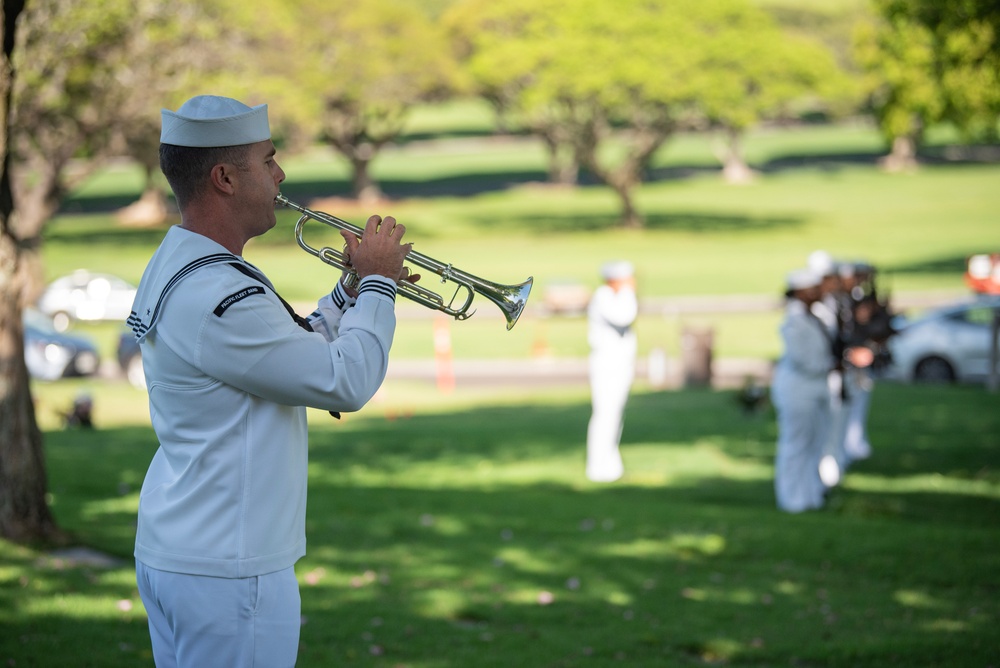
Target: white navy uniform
(612, 368)
(229, 374)
(860, 383)
(835, 459)
(802, 399)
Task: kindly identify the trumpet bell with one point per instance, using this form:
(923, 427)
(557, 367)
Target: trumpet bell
(510, 298)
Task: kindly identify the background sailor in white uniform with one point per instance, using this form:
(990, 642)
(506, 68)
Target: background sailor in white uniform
(801, 397)
(826, 308)
(612, 311)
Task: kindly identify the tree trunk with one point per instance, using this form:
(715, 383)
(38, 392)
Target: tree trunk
(564, 169)
(149, 210)
(735, 169)
(24, 512)
(630, 216)
(903, 157)
(623, 180)
(363, 185)
(36, 204)
(642, 141)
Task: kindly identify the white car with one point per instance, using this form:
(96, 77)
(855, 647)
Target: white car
(84, 295)
(948, 344)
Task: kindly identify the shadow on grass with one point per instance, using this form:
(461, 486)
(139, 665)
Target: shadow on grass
(913, 429)
(551, 223)
(472, 184)
(87, 204)
(119, 236)
(469, 538)
(949, 265)
(687, 221)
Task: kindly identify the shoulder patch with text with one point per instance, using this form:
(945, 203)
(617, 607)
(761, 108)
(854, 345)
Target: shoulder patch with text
(237, 296)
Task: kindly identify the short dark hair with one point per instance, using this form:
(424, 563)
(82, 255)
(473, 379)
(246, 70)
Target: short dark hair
(187, 168)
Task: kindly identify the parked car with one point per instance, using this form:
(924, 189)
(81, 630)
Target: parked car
(948, 344)
(84, 295)
(130, 360)
(51, 355)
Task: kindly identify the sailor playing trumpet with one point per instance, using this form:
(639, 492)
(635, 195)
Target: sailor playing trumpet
(230, 370)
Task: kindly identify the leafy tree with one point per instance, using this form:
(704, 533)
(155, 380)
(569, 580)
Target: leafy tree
(24, 512)
(58, 107)
(967, 34)
(932, 61)
(358, 69)
(609, 81)
(753, 71)
(92, 80)
(604, 85)
(832, 23)
(898, 57)
(176, 49)
(89, 86)
(500, 45)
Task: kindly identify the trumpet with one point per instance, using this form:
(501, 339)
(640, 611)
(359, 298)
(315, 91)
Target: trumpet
(510, 298)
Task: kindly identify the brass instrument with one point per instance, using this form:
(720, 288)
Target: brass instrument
(510, 298)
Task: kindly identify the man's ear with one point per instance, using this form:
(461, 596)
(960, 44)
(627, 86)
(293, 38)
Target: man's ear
(222, 178)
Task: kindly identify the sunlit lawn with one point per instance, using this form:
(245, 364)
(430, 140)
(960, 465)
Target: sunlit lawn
(459, 530)
(479, 206)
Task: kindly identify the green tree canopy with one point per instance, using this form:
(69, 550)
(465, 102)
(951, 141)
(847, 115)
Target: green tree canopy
(968, 36)
(897, 55)
(355, 70)
(575, 72)
(613, 81)
(931, 61)
(751, 71)
(92, 80)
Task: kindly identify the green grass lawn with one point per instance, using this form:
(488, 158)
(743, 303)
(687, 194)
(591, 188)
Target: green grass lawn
(458, 531)
(454, 531)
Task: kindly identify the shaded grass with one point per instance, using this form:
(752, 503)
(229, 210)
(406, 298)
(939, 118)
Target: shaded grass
(440, 528)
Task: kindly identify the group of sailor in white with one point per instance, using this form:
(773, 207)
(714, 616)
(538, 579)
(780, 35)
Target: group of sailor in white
(822, 385)
(230, 370)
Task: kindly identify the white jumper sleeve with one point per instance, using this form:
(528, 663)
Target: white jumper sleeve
(258, 348)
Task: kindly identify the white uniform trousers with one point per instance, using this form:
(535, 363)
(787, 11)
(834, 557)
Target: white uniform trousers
(856, 445)
(835, 459)
(197, 621)
(610, 381)
(803, 431)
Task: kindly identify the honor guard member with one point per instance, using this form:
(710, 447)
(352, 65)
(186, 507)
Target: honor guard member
(612, 311)
(801, 397)
(858, 381)
(230, 369)
(826, 308)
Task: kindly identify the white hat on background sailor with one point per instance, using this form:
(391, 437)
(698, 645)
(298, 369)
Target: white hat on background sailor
(617, 271)
(802, 279)
(209, 121)
(822, 263)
